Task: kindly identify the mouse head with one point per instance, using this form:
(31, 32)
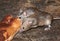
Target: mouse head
(25, 13)
(26, 25)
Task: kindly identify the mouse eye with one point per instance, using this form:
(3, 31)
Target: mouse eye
(23, 27)
(20, 17)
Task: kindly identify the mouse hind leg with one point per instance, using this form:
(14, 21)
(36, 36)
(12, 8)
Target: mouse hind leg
(48, 27)
(48, 24)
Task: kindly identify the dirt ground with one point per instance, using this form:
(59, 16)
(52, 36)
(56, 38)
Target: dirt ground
(36, 34)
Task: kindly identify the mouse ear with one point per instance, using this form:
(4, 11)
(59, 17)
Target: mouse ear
(24, 13)
(29, 20)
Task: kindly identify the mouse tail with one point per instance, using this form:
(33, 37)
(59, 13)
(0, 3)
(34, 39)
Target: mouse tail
(56, 18)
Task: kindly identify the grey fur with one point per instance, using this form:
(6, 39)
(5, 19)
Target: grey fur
(34, 18)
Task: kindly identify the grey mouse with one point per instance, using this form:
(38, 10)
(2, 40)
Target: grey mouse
(32, 17)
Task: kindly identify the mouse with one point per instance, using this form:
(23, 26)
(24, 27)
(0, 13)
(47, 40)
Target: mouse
(33, 17)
